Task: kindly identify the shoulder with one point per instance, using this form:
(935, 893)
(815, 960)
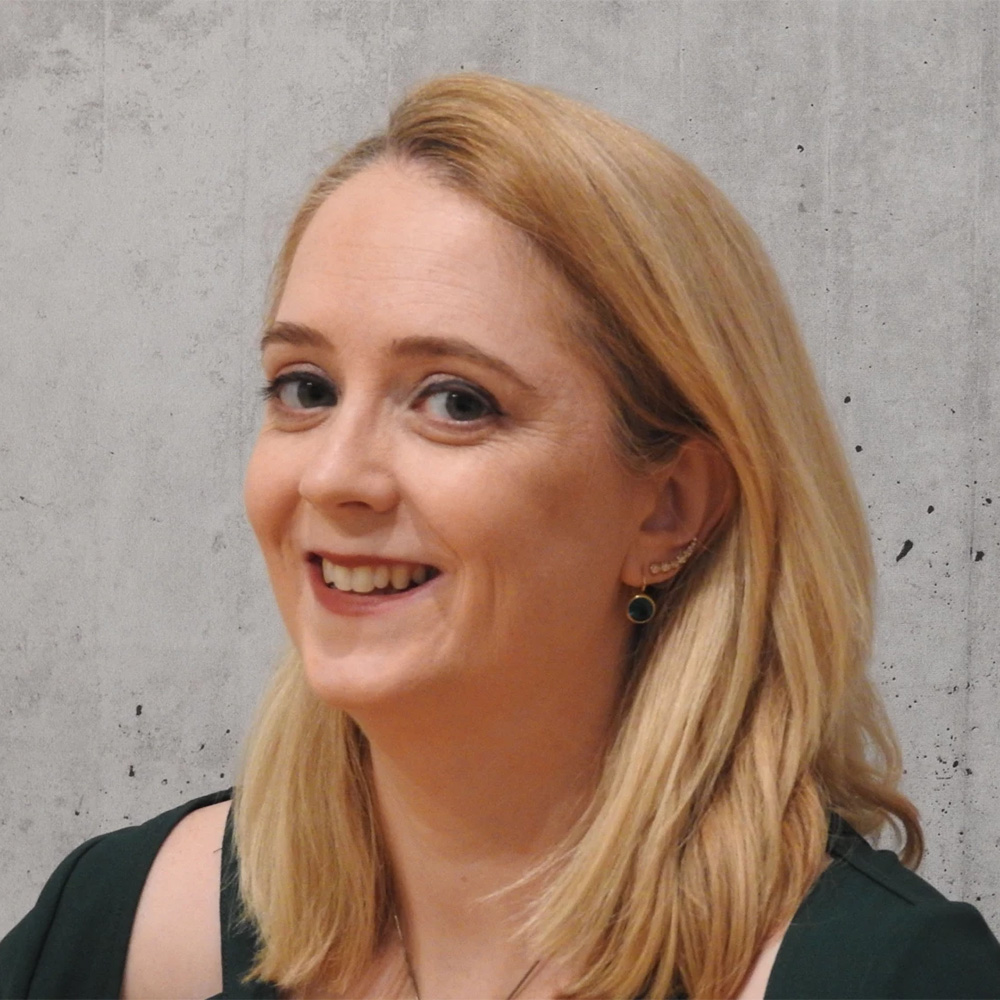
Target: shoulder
(76, 937)
(872, 928)
(175, 945)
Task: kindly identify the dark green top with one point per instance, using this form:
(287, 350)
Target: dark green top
(869, 927)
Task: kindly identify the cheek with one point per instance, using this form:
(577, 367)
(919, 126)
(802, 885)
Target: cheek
(583, 523)
(533, 512)
(554, 537)
(269, 493)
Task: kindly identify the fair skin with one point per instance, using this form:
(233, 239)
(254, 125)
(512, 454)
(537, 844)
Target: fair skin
(430, 413)
(175, 947)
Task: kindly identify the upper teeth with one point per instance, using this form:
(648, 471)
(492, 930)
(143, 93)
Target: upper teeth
(365, 579)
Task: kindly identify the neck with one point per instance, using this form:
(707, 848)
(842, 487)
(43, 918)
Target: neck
(470, 802)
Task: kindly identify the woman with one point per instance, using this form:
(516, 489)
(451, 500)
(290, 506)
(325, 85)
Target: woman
(579, 593)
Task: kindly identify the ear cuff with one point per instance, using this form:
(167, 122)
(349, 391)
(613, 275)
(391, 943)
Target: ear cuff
(657, 568)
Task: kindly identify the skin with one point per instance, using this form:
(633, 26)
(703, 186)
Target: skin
(487, 695)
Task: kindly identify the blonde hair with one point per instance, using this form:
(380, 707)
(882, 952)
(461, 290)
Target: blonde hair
(748, 714)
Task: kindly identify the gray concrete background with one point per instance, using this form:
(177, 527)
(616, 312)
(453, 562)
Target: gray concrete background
(150, 154)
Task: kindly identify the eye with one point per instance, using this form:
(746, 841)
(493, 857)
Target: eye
(300, 391)
(459, 402)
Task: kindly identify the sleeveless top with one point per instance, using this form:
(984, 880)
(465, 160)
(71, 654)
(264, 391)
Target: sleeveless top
(868, 928)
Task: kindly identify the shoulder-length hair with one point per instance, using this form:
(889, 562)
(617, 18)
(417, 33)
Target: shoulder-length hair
(748, 715)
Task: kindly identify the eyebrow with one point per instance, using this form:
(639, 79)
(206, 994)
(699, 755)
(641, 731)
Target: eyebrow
(292, 333)
(300, 335)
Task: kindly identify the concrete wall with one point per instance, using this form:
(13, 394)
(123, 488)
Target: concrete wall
(150, 153)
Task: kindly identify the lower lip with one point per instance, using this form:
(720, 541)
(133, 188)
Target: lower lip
(345, 602)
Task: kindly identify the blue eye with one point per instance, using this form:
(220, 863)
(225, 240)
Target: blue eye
(300, 391)
(459, 402)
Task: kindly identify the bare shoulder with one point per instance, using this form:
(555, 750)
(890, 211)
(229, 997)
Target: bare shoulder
(174, 950)
(755, 985)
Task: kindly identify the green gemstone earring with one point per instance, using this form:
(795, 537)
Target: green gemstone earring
(641, 608)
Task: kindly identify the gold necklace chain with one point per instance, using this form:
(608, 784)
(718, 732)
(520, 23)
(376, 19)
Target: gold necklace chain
(515, 992)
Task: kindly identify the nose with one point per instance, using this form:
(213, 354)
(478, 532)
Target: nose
(350, 466)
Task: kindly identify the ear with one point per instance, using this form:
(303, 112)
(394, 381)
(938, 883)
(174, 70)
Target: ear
(688, 498)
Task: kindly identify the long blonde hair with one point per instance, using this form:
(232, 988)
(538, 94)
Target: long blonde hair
(748, 715)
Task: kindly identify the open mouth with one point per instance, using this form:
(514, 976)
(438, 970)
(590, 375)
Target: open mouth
(375, 580)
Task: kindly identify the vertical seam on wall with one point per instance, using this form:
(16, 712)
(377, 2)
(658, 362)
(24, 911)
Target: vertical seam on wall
(978, 326)
(104, 71)
(389, 24)
(829, 96)
(973, 387)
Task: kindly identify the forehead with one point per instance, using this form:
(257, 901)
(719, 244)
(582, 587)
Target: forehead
(394, 245)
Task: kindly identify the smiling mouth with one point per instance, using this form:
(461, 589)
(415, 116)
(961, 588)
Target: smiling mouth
(378, 579)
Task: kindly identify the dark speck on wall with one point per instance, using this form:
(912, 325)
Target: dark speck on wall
(979, 554)
(131, 771)
(907, 545)
(847, 399)
(857, 447)
(930, 510)
(138, 709)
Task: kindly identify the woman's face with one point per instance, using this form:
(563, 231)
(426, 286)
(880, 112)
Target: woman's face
(427, 423)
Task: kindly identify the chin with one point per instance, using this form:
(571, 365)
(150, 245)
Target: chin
(362, 682)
